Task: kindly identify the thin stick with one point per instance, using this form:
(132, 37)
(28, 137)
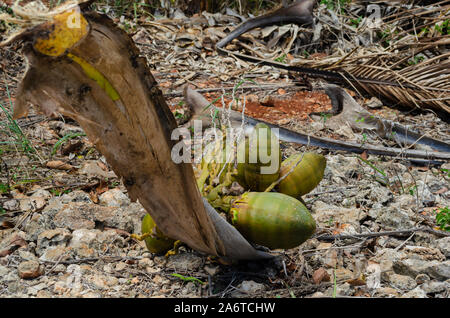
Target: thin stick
(378, 234)
(94, 259)
(250, 87)
(404, 242)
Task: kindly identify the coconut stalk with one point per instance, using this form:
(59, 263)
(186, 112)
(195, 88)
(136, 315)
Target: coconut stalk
(83, 66)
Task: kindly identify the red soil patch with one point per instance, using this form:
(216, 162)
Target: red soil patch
(282, 109)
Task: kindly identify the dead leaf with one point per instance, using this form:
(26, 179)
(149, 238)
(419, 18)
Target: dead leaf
(441, 191)
(320, 275)
(71, 147)
(103, 166)
(15, 243)
(93, 196)
(102, 187)
(357, 281)
(60, 165)
(5, 224)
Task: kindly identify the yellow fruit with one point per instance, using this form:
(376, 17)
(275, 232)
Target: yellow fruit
(156, 242)
(305, 176)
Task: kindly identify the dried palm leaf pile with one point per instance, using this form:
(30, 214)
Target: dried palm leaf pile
(415, 54)
(396, 50)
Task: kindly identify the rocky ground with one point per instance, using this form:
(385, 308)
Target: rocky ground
(76, 244)
(66, 219)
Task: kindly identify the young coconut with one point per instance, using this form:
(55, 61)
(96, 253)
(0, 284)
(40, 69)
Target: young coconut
(261, 156)
(306, 175)
(271, 219)
(155, 240)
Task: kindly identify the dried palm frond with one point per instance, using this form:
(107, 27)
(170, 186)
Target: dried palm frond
(416, 58)
(405, 59)
(425, 84)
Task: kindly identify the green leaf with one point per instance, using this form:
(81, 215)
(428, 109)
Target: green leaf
(188, 278)
(443, 219)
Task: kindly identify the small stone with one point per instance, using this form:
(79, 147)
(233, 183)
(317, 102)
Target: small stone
(41, 193)
(373, 276)
(424, 253)
(433, 287)
(10, 277)
(402, 282)
(44, 294)
(60, 268)
(415, 293)
(342, 274)
(55, 254)
(114, 197)
(101, 281)
(121, 266)
(33, 290)
(249, 288)
(11, 205)
(444, 246)
(184, 261)
(83, 237)
(77, 196)
(439, 270)
(60, 287)
(30, 270)
(40, 286)
(91, 168)
(91, 294)
(323, 212)
(344, 290)
(330, 258)
(108, 268)
(3, 271)
(318, 295)
(50, 238)
(144, 263)
(212, 270)
(386, 292)
(27, 256)
(374, 103)
(422, 278)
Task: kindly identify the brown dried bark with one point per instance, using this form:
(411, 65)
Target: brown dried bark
(135, 138)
